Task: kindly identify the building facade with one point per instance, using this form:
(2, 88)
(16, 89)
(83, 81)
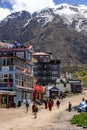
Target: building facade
(46, 70)
(15, 75)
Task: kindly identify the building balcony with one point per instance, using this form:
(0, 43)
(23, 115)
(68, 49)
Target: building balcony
(54, 69)
(9, 68)
(6, 85)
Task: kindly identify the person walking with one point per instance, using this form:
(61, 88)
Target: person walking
(35, 110)
(82, 102)
(46, 104)
(58, 103)
(26, 105)
(70, 106)
(50, 105)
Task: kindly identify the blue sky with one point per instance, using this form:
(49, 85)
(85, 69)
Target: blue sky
(9, 6)
(73, 2)
(5, 4)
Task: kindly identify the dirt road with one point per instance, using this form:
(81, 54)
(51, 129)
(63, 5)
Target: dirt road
(18, 119)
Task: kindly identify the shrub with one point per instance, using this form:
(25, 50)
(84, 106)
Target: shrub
(80, 119)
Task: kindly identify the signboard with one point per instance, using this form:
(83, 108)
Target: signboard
(5, 68)
(25, 84)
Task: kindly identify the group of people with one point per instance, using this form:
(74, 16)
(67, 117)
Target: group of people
(49, 104)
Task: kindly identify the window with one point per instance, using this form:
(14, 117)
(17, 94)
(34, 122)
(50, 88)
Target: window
(44, 66)
(1, 78)
(5, 61)
(28, 55)
(9, 61)
(0, 61)
(8, 77)
(20, 54)
(5, 79)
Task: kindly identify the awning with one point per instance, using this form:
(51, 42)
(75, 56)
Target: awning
(25, 88)
(38, 88)
(7, 92)
(40, 54)
(55, 89)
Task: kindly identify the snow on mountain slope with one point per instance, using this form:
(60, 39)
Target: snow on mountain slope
(74, 17)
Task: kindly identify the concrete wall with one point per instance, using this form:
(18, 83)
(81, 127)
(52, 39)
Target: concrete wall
(61, 87)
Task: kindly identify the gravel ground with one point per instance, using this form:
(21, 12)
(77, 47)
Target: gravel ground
(62, 122)
(57, 119)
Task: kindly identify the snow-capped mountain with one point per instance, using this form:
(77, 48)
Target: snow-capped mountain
(74, 17)
(61, 30)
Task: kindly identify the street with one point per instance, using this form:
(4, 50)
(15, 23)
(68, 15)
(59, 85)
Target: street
(18, 119)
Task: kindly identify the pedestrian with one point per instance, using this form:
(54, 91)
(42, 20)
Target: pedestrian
(35, 110)
(58, 103)
(50, 105)
(70, 106)
(82, 102)
(46, 104)
(52, 102)
(26, 105)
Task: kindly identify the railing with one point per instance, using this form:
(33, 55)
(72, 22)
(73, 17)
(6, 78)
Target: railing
(10, 68)
(6, 85)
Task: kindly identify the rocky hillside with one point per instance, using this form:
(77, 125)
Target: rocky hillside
(61, 30)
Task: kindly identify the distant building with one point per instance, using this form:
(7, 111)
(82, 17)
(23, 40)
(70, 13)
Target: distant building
(46, 70)
(76, 86)
(15, 75)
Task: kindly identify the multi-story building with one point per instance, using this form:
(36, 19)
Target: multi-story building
(46, 70)
(15, 75)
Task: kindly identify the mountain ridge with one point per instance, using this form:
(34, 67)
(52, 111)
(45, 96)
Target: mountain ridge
(50, 30)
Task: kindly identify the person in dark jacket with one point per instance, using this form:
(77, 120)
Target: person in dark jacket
(58, 103)
(70, 106)
(26, 105)
(35, 110)
(46, 104)
(50, 105)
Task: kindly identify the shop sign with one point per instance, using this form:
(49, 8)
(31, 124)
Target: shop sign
(5, 68)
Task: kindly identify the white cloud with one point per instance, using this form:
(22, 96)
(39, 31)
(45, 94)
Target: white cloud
(28, 5)
(4, 12)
